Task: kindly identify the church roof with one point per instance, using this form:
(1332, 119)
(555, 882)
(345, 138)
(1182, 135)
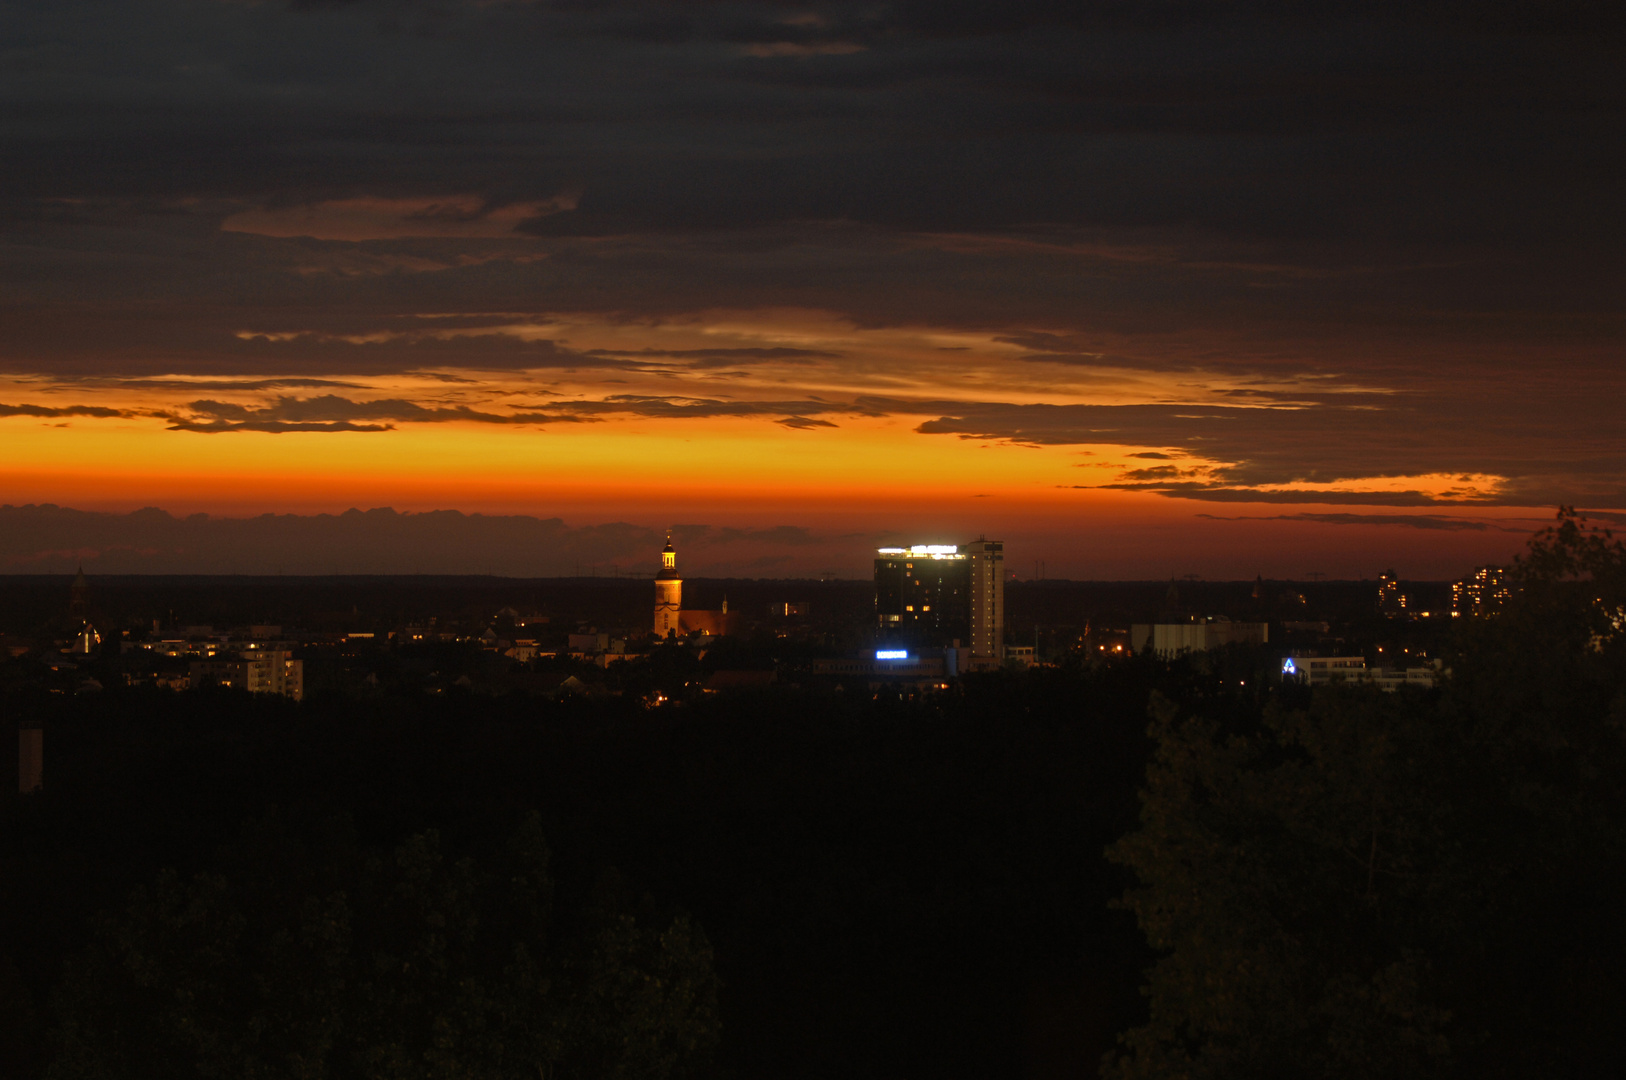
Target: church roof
(668, 571)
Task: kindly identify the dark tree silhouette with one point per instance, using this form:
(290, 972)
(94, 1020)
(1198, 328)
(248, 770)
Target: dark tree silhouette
(1418, 884)
(307, 958)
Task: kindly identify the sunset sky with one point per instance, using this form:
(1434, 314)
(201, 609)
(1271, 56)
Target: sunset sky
(1144, 288)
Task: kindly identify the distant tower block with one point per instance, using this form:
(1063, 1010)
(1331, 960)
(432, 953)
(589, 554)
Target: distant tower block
(987, 597)
(30, 758)
(668, 595)
(1391, 601)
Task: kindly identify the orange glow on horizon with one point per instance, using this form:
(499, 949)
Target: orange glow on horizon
(759, 419)
(722, 460)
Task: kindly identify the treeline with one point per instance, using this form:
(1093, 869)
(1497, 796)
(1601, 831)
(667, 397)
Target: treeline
(1402, 886)
(871, 885)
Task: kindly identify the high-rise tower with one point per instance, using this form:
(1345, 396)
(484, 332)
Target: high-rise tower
(941, 593)
(987, 597)
(920, 594)
(1484, 592)
(668, 594)
(1391, 601)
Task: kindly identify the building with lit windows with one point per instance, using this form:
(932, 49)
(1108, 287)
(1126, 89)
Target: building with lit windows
(273, 671)
(259, 671)
(1484, 592)
(1391, 601)
(1324, 670)
(987, 596)
(941, 594)
(923, 593)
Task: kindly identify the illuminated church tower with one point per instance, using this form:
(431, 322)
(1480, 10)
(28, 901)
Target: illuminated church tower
(668, 594)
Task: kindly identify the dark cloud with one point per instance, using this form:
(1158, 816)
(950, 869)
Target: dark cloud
(1340, 438)
(967, 115)
(1416, 204)
(50, 539)
(690, 536)
(408, 352)
(718, 358)
(244, 385)
(333, 413)
(803, 423)
(55, 539)
(331, 333)
(1427, 522)
(1323, 497)
(98, 411)
(1158, 474)
(705, 408)
(272, 427)
(330, 412)
(1049, 348)
(789, 535)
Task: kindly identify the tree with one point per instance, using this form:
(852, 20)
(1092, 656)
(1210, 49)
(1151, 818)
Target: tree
(1402, 885)
(314, 959)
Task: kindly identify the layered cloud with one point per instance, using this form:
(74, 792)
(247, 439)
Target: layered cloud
(1188, 254)
(47, 411)
(463, 217)
(1322, 440)
(1338, 451)
(333, 413)
(1427, 522)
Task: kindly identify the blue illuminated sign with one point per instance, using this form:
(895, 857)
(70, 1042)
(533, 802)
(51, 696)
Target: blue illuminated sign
(891, 654)
(1288, 667)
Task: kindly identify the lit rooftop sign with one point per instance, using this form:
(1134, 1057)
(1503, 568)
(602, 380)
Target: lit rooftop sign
(891, 654)
(924, 551)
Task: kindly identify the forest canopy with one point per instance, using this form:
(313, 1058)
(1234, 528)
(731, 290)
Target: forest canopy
(304, 957)
(1417, 884)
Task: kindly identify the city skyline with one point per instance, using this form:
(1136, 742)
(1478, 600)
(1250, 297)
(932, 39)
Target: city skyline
(58, 540)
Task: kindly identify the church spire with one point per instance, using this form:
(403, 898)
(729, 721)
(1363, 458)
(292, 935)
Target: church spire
(668, 594)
